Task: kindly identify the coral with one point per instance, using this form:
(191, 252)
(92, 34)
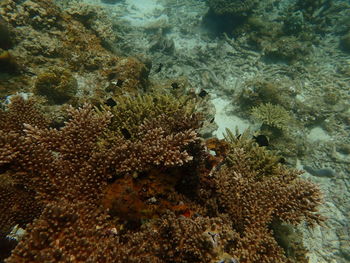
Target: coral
(260, 198)
(257, 159)
(21, 111)
(110, 1)
(272, 115)
(94, 18)
(231, 7)
(18, 205)
(43, 36)
(310, 6)
(39, 14)
(288, 48)
(257, 91)
(294, 23)
(179, 239)
(176, 113)
(106, 197)
(67, 232)
(57, 85)
(128, 76)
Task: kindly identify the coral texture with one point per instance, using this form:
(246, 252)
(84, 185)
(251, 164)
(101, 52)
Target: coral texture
(101, 197)
(272, 115)
(231, 7)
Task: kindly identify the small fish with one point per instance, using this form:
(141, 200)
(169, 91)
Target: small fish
(110, 102)
(125, 133)
(174, 85)
(212, 120)
(261, 140)
(202, 93)
(282, 160)
(159, 68)
(120, 82)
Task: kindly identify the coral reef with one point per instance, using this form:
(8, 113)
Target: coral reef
(57, 85)
(44, 36)
(132, 181)
(102, 197)
(272, 191)
(128, 75)
(231, 7)
(272, 115)
(130, 112)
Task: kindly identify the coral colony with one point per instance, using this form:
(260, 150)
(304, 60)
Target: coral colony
(101, 163)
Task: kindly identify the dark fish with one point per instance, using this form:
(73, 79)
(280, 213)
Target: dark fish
(159, 68)
(261, 140)
(212, 120)
(202, 93)
(125, 133)
(174, 85)
(282, 160)
(110, 102)
(120, 82)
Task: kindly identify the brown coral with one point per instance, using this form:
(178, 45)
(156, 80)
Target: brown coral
(254, 198)
(220, 207)
(67, 232)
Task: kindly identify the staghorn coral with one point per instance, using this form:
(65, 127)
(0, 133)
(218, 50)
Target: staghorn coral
(67, 232)
(73, 164)
(259, 198)
(179, 239)
(18, 206)
(22, 111)
(243, 149)
(221, 207)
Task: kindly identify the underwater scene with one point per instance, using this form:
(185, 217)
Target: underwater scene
(175, 131)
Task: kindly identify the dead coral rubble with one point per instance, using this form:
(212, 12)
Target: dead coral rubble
(101, 197)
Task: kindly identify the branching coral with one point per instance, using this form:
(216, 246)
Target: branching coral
(180, 239)
(75, 163)
(272, 115)
(67, 232)
(254, 198)
(170, 113)
(221, 207)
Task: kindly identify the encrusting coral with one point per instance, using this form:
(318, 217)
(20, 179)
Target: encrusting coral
(106, 197)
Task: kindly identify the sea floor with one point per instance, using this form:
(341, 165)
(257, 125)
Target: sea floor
(222, 67)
